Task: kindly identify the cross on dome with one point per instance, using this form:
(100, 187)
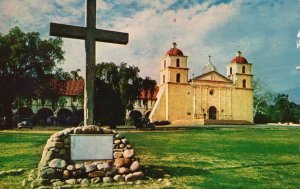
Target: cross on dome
(174, 44)
(174, 51)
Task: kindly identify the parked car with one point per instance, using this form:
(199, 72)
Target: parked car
(25, 123)
(142, 123)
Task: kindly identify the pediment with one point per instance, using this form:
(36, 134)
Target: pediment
(212, 76)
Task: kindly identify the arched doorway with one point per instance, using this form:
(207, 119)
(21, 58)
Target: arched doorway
(147, 114)
(212, 113)
(136, 118)
(78, 116)
(135, 114)
(64, 117)
(45, 117)
(25, 112)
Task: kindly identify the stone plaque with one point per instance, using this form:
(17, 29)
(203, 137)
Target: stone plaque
(91, 147)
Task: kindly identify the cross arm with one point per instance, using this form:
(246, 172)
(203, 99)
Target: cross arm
(63, 30)
(111, 36)
(76, 32)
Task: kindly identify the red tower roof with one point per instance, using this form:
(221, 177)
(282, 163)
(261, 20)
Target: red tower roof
(174, 51)
(239, 59)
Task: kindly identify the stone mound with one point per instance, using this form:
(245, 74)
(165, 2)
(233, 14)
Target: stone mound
(57, 169)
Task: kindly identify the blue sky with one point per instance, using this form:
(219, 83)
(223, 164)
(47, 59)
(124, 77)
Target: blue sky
(265, 31)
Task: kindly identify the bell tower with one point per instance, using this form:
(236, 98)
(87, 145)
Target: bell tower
(239, 71)
(173, 67)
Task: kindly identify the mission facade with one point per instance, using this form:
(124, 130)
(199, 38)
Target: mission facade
(207, 98)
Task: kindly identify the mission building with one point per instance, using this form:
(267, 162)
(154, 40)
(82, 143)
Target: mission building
(209, 98)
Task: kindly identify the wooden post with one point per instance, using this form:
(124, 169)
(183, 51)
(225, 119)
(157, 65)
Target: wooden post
(90, 34)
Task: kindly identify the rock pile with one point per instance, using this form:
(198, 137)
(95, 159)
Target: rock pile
(57, 169)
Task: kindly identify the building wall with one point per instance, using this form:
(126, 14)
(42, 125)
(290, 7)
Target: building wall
(159, 110)
(144, 109)
(179, 103)
(71, 103)
(192, 102)
(213, 96)
(242, 104)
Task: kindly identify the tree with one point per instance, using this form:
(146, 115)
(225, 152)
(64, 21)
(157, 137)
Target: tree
(263, 96)
(75, 76)
(117, 87)
(148, 86)
(27, 65)
(279, 111)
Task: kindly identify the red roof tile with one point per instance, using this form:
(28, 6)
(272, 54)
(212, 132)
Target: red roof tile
(70, 88)
(174, 52)
(75, 87)
(239, 58)
(154, 97)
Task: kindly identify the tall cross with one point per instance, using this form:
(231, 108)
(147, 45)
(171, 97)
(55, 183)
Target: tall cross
(90, 34)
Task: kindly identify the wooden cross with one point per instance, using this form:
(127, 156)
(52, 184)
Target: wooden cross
(90, 34)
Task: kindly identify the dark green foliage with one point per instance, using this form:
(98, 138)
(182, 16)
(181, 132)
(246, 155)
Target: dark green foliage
(27, 65)
(117, 87)
(261, 118)
(283, 110)
(108, 104)
(272, 107)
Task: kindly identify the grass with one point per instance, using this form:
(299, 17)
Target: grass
(219, 158)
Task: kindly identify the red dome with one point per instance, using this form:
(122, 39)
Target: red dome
(174, 51)
(239, 58)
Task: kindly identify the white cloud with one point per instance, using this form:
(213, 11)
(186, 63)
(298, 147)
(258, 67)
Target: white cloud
(265, 31)
(102, 5)
(74, 55)
(152, 34)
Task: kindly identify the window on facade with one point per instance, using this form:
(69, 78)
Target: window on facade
(164, 78)
(243, 69)
(178, 78)
(165, 64)
(211, 92)
(230, 70)
(244, 83)
(177, 62)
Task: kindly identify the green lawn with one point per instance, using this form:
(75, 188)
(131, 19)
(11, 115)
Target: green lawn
(218, 158)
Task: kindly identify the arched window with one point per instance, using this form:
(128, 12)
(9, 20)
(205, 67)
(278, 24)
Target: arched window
(244, 83)
(230, 70)
(164, 78)
(177, 62)
(243, 69)
(178, 78)
(165, 64)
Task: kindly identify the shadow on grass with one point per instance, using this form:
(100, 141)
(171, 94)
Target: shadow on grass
(157, 172)
(11, 173)
(256, 165)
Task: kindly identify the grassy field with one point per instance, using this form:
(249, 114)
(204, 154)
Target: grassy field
(218, 158)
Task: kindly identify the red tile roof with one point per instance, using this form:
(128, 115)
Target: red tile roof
(69, 88)
(239, 58)
(74, 87)
(174, 52)
(154, 97)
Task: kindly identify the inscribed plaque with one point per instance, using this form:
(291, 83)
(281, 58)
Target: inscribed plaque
(91, 147)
